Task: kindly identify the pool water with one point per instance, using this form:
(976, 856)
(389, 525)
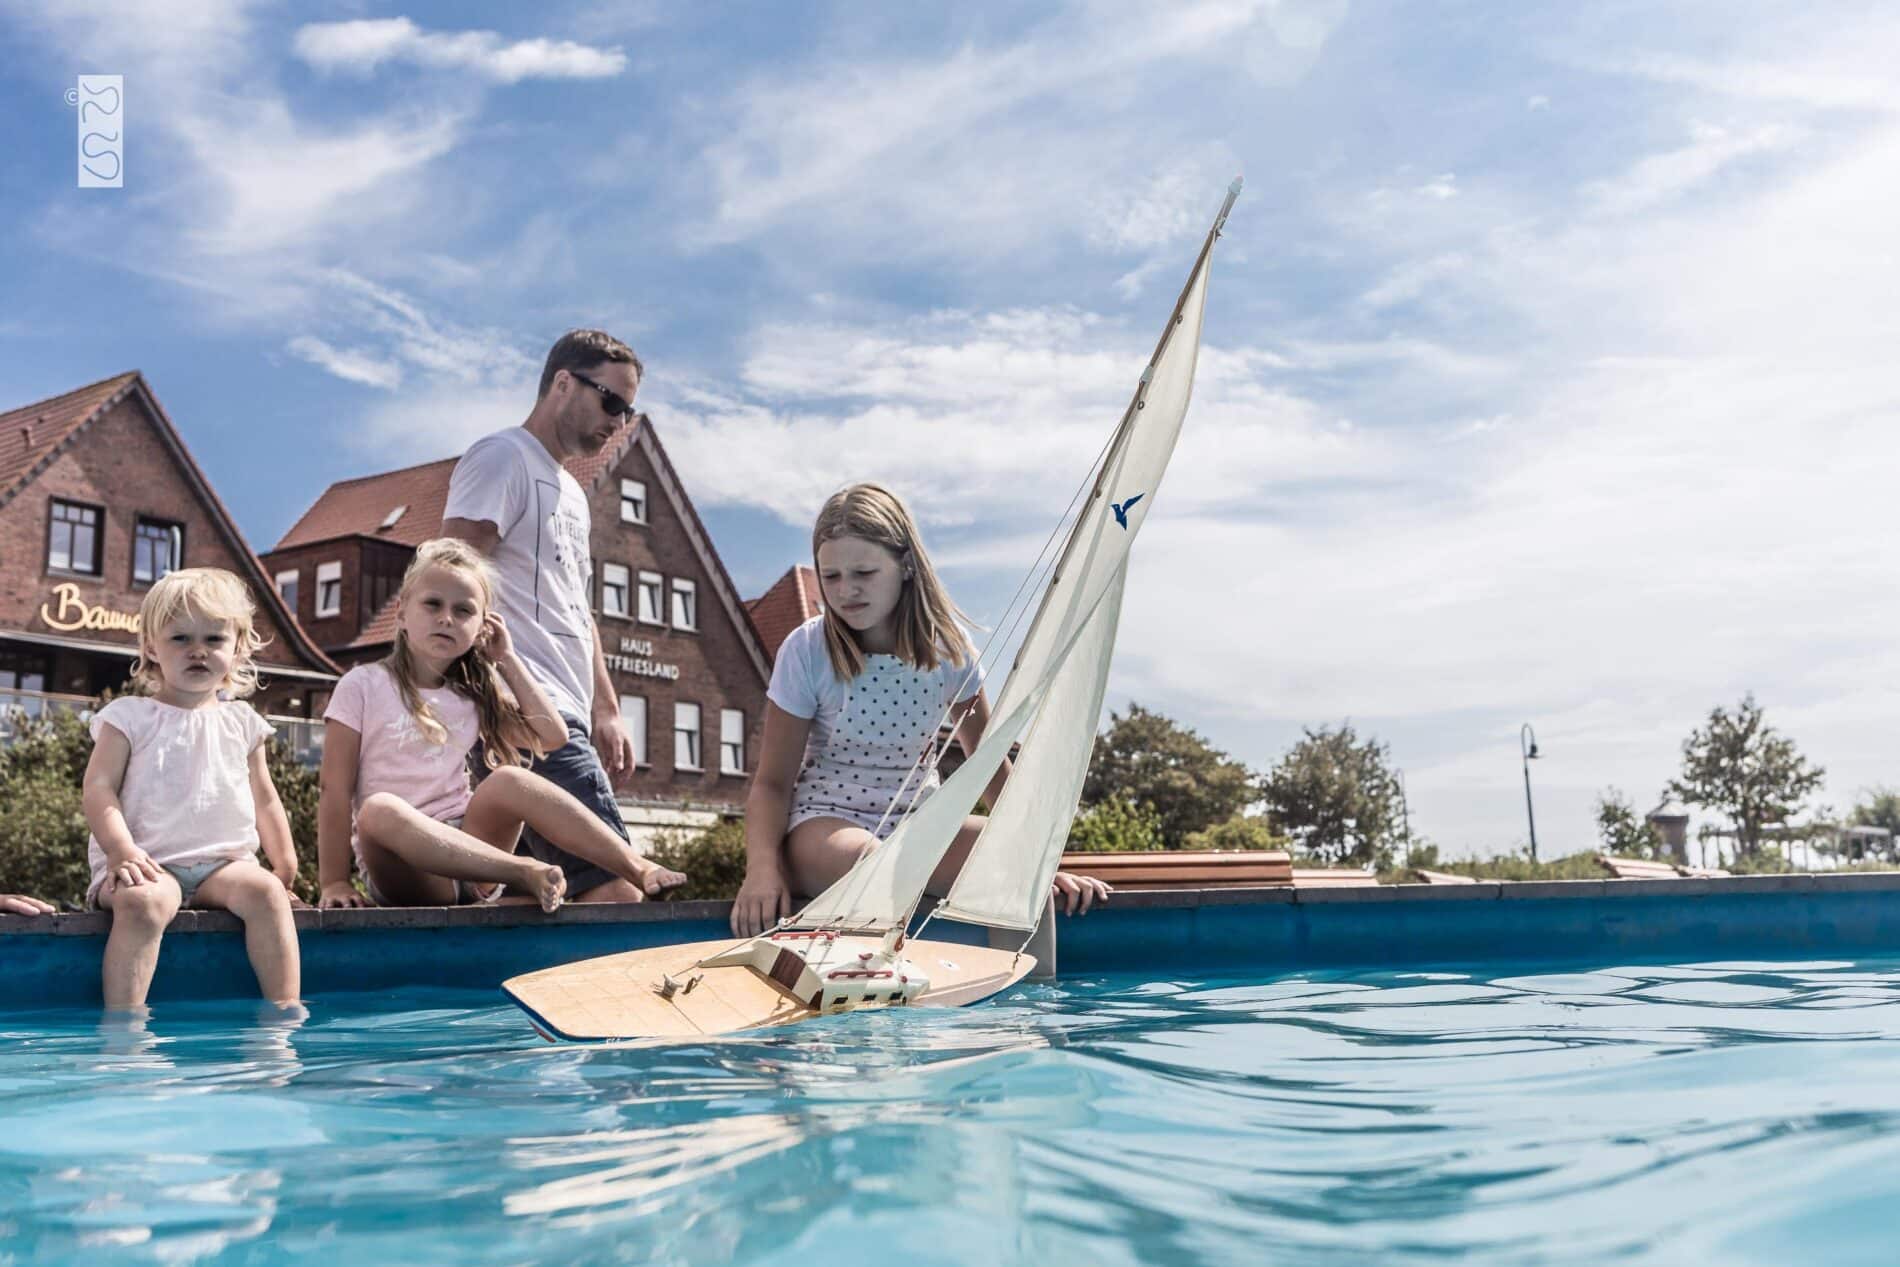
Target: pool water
(1735, 1113)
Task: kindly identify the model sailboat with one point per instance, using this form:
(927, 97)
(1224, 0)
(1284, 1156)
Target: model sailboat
(848, 948)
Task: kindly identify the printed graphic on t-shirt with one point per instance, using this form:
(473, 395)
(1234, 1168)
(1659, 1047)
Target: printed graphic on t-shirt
(560, 542)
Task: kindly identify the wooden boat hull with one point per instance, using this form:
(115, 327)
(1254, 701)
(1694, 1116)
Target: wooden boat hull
(619, 996)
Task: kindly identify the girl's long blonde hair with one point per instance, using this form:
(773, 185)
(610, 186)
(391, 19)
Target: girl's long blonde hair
(928, 625)
(507, 738)
(210, 592)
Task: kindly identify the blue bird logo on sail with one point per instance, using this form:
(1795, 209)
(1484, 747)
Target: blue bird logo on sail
(1121, 508)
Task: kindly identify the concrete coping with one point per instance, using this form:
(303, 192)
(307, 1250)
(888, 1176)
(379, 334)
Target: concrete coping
(97, 923)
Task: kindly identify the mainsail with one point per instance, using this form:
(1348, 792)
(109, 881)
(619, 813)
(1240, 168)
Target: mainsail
(1052, 700)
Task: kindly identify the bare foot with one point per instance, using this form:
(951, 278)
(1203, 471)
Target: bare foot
(661, 879)
(550, 887)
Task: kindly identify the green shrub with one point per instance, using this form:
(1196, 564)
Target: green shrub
(713, 860)
(1116, 825)
(42, 836)
(1577, 866)
(43, 830)
(1242, 831)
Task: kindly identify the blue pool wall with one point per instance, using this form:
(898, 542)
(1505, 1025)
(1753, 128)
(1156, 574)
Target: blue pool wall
(53, 961)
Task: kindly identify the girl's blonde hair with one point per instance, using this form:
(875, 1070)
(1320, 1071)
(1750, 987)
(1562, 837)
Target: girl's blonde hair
(927, 622)
(507, 738)
(214, 594)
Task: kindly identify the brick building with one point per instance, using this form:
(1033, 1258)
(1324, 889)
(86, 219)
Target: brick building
(99, 498)
(688, 664)
(792, 600)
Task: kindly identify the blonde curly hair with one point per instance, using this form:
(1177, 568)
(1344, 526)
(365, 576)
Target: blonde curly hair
(216, 595)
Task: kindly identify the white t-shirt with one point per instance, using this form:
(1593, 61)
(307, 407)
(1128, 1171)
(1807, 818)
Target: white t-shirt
(187, 786)
(546, 569)
(395, 755)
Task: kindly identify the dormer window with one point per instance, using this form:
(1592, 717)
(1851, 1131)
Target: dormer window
(389, 520)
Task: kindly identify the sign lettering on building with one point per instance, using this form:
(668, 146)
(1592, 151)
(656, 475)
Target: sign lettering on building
(635, 658)
(75, 614)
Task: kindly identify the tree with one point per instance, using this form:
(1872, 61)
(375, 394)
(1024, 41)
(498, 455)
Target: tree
(1147, 759)
(1878, 807)
(1740, 767)
(1116, 825)
(1336, 797)
(1623, 832)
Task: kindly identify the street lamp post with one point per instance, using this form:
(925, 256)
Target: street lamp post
(1527, 744)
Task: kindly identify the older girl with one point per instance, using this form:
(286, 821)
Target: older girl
(399, 732)
(178, 795)
(856, 698)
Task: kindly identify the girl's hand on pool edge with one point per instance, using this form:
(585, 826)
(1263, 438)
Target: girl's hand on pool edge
(338, 894)
(1078, 893)
(760, 903)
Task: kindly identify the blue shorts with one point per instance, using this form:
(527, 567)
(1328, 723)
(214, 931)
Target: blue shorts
(577, 770)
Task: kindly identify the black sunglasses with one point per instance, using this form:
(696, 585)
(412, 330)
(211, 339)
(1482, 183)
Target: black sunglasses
(615, 405)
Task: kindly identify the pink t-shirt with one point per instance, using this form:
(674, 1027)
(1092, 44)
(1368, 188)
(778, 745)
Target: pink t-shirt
(396, 756)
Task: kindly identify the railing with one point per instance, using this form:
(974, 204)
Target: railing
(300, 737)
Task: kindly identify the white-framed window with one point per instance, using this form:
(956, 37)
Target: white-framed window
(731, 741)
(652, 611)
(287, 588)
(329, 589)
(685, 604)
(633, 715)
(158, 548)
(72, 541)
(614, 580)
(633, 502)
(686, 736)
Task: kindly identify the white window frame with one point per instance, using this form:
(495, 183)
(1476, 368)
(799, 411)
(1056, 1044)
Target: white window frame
(683, 588)
(615, 577)
(326, 573)
(651, 583)
(295, 578)
(686, 737)
(633, 715)
(731, 741)
(633, 502)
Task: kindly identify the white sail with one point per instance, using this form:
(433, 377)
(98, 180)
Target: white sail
(1054, 691)
(1005, 882)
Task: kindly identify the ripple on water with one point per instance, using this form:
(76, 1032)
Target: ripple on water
(1735, 1112)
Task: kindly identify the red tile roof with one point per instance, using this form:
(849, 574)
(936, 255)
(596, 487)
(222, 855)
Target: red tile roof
(358, 507)
(31, 432)
(381, 629)
(792, 600)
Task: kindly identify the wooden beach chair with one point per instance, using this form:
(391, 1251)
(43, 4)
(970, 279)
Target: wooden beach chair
(1644, 869)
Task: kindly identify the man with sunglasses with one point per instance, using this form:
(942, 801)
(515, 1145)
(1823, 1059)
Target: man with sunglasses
(512, 498)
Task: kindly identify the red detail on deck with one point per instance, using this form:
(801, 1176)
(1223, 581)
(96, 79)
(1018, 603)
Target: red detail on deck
(854, 973)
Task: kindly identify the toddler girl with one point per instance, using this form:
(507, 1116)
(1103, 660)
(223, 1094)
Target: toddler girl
(177, 793)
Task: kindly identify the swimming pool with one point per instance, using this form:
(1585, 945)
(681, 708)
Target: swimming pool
(1734, 1112)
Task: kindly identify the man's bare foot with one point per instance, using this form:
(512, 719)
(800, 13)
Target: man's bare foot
(660, 879)
(550, 887)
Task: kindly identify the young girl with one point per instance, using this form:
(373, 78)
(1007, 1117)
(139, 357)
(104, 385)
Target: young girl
(178, 795)
(856, 697)
(395, 759)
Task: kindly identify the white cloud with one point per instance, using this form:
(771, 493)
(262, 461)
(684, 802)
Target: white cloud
(1661, 177)
(350, 365)
(363, 45)
(981, 145)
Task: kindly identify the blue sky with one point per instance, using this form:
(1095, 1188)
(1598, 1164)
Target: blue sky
(1548, 372)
